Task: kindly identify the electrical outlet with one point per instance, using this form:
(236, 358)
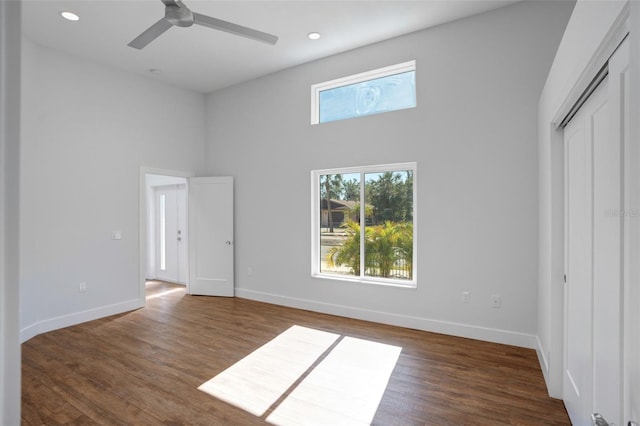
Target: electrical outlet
(466, 297)
(249, 271)
(496, 301)
(82, 288)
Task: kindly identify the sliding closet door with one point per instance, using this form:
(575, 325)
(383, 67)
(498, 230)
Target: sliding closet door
(594, 308)
(578, 354)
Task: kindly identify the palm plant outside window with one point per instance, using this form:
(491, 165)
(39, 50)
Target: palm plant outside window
(377, 199)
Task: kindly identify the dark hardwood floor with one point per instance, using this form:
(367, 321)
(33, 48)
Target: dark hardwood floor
(144, 367)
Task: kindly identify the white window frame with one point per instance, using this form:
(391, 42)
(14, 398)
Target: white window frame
(315, 224)
(352, 79)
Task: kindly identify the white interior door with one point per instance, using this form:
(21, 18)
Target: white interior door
(182, 234)
(578, 355)
(211, 253)
(621, 72)
(594, 241)
(171, 238)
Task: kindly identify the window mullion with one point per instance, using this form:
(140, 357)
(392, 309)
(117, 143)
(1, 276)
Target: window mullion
(363, 223)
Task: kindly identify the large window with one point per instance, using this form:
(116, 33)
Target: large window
(385, 89)
(377, 199)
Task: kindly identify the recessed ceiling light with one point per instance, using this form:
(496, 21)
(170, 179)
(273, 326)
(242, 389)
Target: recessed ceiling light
(69, 16)
(313, 36)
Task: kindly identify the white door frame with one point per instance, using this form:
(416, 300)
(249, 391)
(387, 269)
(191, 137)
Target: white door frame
(631, 368)
(609, 44)
(142, 221)
(551, 359)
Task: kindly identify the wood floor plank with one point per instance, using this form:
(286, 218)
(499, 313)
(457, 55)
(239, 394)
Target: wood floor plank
(86, 392)
(144, 367)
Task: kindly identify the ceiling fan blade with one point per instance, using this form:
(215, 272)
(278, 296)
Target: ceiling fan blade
(232, 28)
(151, 34)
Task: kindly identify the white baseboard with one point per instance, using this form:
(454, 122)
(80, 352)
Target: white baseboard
(554, 391)
(77, 318)
(443, 327)
(544, 363)
(436, 326)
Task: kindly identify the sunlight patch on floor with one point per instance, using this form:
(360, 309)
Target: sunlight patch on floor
(257, 381)
(344, 388)
(164, 293)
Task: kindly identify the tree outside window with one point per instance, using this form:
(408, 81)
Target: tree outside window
(386, 250)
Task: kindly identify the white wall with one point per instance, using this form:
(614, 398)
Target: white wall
(588, 27)
(86, 131)
(473, 136)
(9, 196)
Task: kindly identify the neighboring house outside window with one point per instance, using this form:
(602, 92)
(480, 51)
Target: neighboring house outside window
(341, 212)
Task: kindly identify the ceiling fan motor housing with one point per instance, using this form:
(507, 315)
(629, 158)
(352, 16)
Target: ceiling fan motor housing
(179, 15)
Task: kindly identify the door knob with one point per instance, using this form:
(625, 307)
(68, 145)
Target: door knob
(598, 420)
(228, 243)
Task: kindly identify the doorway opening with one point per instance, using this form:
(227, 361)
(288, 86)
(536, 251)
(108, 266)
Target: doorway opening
(167, 245)
(164, 248)
(207, 266)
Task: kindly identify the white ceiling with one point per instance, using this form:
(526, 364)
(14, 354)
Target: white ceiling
(204, 60)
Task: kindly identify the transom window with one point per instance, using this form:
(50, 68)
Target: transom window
(385, 89)
(379, 199)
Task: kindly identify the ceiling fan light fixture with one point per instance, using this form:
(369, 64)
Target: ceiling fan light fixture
(313, 35)
(69, 16)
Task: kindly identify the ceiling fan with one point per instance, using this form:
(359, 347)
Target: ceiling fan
(176, 13)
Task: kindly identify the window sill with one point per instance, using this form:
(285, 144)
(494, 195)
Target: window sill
(368, 281)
